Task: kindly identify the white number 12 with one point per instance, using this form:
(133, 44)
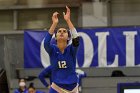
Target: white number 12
(62, 64)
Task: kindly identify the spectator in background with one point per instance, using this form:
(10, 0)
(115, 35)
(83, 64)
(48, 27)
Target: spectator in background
(32, 89)
(22, 87)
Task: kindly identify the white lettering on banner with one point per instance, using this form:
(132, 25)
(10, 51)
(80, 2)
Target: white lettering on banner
(88, 49)
(102, 54)
(45, 59)
(130, 45)
(102, 50)
(115, 63)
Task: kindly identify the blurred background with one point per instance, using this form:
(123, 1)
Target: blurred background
(18, 15)
(36, 14)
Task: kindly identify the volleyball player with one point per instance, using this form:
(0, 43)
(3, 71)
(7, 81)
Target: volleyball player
(62, 56)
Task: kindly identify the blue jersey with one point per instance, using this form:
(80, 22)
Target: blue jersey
(63, 65)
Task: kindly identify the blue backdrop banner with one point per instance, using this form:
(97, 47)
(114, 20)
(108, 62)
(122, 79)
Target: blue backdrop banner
(99, 47)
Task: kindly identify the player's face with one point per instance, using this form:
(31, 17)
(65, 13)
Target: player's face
(31, 90)
(62, 34)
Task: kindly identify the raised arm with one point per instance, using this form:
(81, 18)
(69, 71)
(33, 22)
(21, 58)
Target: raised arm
(75, 36)
(54, 22)
(70, 24)
(67, 18)
(48, 37)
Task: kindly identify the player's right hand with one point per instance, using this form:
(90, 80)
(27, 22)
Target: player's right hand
(55, 17)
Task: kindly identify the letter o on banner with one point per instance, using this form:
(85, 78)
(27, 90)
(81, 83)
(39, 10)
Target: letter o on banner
(88, 49)
(44, 56)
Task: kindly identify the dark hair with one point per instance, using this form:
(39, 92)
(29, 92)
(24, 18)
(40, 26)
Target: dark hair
(117, 73)
(21, 79)
(31, 85)
(69, 34)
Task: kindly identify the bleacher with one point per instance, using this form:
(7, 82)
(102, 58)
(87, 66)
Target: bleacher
(99, 80)
(3, 81)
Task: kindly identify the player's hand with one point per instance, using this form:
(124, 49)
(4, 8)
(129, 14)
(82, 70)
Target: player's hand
(55, 17)
(67, 14)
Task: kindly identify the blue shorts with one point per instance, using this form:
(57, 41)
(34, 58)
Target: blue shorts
(69, 87)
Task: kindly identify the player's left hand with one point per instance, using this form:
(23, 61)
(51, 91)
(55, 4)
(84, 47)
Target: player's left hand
(67, 14)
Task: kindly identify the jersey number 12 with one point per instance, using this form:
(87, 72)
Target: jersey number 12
(62, 64)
